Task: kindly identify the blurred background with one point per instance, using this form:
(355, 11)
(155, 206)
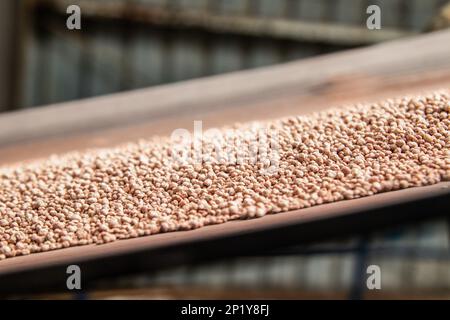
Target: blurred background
(131, 44)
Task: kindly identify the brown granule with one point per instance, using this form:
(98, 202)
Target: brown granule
(138, 189)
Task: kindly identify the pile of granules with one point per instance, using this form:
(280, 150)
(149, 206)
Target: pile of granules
(137, 189)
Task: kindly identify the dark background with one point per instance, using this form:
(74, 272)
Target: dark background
(129, 44)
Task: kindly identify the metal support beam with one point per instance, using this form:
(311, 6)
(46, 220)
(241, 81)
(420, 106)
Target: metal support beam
(277, 28)
(8, 21)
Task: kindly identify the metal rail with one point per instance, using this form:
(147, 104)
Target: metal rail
(277, 28)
